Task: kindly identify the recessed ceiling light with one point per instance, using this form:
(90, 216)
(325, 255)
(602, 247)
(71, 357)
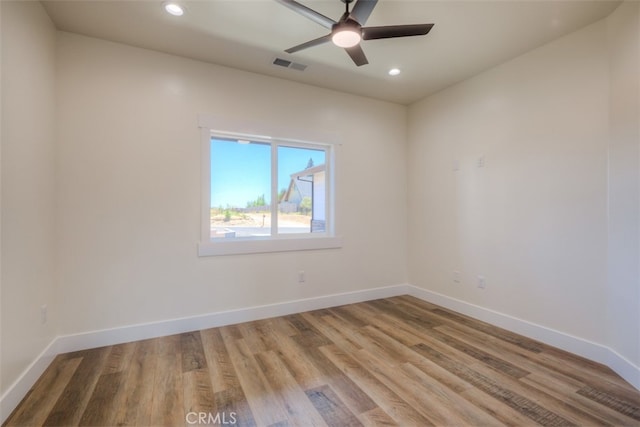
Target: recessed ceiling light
(174, 9)
(394, 71)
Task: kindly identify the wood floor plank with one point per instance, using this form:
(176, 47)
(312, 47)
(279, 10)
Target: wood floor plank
(198, 393)
(300, 410)
(137, 390)
(376, 418)
(594, 368)
(40, 401)
(193, 357)
(507, 390)
(558, 361)
(416, 302)
(407, 314)
(102, 403)
(456, 409)
(265, 408)
(259, 336)
(497, 348)
(405, 335)
(331, 408)
(563, 391)
(330, 327)
(501, 411)
(350, 316)
(391, 326)
(486, 358)
(502, 334)
(233, 402)
(72, 402)
(308, 335)
(355, 398)
(621, 405)
(282, 327)
(221, 370)
(491, 341)
(229, 396)
(435, 402)
(295, 358)
(105, 407)
(397, 408)
(394, 361)
(119, 358)
(167, 407)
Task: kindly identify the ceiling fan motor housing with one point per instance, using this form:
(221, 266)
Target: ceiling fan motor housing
(347, 25)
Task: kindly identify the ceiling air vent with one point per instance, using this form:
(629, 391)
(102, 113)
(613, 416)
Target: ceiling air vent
(288, 64)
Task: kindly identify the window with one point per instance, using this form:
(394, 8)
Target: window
(243, 201)
(263, 194)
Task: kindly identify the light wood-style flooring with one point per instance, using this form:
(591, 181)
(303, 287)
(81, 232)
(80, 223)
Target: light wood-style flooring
(395, 361)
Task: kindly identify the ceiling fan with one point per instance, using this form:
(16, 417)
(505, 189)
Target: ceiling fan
(349, 31)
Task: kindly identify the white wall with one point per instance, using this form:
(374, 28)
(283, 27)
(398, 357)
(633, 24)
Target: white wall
(532, 221)
(129, 188)
(623, 31)
(28, 190)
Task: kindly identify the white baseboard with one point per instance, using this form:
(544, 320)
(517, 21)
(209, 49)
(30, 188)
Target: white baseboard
(19, 389)
(585, 348)
(63, 344)
(121, 335)
(624, 368)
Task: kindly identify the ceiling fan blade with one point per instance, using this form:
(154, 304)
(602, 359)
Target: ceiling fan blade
(391, 31)
(357, 54)
(308, 13)
(362, 10)
(311, 43)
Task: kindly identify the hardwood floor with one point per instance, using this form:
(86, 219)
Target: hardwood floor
(396, 361)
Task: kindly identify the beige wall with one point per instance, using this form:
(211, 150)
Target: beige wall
(532, 221)
(129, 188)
(28, 186)
(552, 219)
(623, 31)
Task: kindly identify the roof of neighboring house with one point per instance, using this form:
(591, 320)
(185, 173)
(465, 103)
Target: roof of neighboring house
(304, 187)
(309, 171)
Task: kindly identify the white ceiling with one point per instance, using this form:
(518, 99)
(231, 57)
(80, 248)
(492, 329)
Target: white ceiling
(468, 37)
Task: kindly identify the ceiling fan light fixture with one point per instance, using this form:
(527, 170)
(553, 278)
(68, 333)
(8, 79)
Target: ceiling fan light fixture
(173, 9)
(346, 37)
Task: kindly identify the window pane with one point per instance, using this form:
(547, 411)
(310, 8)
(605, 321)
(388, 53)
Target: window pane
(240, 189)
(301, 190)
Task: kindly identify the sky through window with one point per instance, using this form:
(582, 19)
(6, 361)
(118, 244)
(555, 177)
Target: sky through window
(241, 173)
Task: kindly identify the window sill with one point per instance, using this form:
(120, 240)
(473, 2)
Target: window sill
(256, 246)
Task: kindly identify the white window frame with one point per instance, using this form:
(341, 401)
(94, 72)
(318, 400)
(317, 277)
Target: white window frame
(276, 242)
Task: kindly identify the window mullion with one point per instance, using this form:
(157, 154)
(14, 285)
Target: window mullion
(328, 189)
(205, 135)
(274, 189)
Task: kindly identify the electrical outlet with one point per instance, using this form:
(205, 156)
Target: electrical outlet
(301, 276)
(43, 314)
(456, 277)
(482, 282)
(481, 161)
